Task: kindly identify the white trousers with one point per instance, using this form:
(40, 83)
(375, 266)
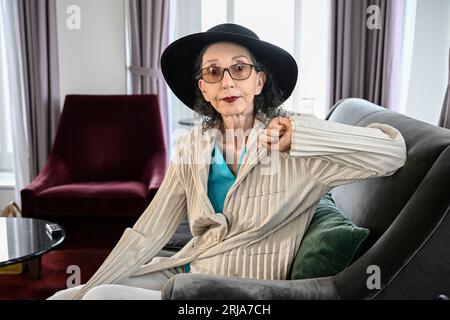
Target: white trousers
(145, 287)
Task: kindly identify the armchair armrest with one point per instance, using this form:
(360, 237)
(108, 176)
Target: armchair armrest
(154, 172)
(54, 173)
(204, 287)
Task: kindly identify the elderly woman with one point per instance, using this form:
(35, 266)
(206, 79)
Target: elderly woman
(248, 214)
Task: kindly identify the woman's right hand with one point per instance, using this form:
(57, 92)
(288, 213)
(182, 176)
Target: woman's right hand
(277, 135)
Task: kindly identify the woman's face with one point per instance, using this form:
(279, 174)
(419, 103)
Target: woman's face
(231, 97)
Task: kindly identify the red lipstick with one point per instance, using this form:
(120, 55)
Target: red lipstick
(230, 99)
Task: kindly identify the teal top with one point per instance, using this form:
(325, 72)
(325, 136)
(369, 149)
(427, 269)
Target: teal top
(220, 179)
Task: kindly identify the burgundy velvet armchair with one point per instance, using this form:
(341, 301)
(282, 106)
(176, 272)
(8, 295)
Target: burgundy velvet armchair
(108, 160)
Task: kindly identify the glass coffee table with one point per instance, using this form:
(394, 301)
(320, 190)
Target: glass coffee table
(26, 239)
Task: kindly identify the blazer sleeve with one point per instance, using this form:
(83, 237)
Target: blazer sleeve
(338, 154)
(151, 232)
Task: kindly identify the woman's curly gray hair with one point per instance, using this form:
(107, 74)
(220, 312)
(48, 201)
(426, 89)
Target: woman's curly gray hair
(267, 105)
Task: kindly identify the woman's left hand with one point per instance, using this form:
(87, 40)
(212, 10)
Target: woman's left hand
(277, 135)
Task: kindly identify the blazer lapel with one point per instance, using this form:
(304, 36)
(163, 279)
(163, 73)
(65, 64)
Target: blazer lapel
(205, 143)
(252, 157)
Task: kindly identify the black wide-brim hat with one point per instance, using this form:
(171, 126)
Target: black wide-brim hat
(178, 59)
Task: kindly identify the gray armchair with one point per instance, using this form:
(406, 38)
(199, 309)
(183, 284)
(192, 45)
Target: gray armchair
(407, 214)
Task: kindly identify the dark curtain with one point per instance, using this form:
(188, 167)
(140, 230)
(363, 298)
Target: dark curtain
(149, 35)
(365, 63)
(39, 47)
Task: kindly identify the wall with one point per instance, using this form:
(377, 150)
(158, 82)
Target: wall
(430, 69)
(6, 196)
(92, 59)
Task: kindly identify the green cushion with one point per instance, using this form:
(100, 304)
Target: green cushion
(330, 243)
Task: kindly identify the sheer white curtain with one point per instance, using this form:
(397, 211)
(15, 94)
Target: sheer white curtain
(13, 96)
(185, 18)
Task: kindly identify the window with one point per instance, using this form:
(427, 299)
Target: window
(212, 12)
(312, 49)
(6, 155)
(272, 21)
(298, 26)
(6, 160)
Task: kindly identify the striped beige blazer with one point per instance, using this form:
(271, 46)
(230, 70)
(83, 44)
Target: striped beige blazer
(266, 211)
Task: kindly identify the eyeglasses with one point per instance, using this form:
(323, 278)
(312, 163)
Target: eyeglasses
(238, 71)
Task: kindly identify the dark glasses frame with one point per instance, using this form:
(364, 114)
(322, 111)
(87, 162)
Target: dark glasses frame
(200, 74)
